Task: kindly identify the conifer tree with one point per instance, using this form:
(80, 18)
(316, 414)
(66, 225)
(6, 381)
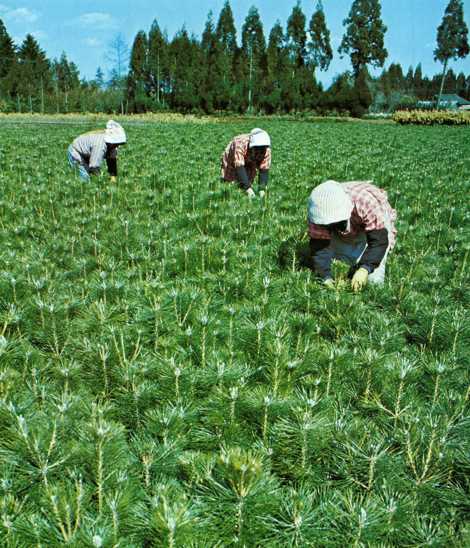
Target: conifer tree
(211, 66)
(185, 71)
(320, 45)
(452, 39)
(254, 48)
(157, 63)
(66, 78)
(99, 78)
(138, 73)
(33, 74)
(226, 35)
(277, 61)
(418, 82)
(364, 37)
(297, 35)
(7, 58)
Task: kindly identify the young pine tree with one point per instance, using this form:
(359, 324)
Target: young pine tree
(452, 39)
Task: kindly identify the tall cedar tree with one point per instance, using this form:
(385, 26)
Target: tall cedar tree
(452, 39)
(66, 78)
(7, 59)
(138, 70)
(157, 74)
(320, 45)
(297, 35)
(210, 59)
(302, 91)
(185, 69)
(226, 35)
(364, 37)
(254, 49)
(32, 77)
(277, 70)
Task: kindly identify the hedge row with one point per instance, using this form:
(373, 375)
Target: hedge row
(432, 117)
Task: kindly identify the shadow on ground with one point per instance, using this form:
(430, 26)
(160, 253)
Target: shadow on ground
(295, 254)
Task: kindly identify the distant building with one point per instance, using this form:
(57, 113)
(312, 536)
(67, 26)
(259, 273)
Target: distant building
(452, 101)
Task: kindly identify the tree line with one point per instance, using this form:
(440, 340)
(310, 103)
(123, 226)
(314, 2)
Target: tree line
(221, 71)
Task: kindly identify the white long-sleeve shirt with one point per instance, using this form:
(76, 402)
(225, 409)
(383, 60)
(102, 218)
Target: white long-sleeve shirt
(90, 149)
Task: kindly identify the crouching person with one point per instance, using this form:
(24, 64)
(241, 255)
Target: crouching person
(246, 155)
(352, 222)
(88, 151)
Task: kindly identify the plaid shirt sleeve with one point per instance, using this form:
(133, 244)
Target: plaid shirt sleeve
(266, 162)
(368, 206)
(318, 233)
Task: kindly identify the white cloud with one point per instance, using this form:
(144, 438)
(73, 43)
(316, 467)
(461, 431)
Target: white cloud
(19, 15)
(39, 34)
(93, 42)
(97, 20)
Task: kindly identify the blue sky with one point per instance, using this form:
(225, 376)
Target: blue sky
(84, 28)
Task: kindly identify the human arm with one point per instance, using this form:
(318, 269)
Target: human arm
(242, 177)
(263, 179)
(377, 245)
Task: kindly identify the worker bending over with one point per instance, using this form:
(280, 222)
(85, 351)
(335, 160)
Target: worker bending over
(244, 156)
(352, 222)
(88, 151)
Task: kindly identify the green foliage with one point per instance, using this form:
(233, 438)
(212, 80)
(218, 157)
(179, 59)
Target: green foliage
(172, 374)
(364, 37)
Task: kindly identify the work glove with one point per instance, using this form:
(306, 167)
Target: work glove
(262, 193)
(329, 283)
(113, 178)
(359, 280)
(251, 193)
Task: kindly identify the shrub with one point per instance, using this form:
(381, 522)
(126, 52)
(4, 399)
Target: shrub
(432, 117)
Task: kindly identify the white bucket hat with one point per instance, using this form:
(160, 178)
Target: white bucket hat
(329, 203)
(114, 133)
(259, 138)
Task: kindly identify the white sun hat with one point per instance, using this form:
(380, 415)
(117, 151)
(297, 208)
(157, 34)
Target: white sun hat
(259, 138)
(329, 203)
(114, 133)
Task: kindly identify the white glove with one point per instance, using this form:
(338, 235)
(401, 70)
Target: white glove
(262, 193)
(251, 193)
(329, 282)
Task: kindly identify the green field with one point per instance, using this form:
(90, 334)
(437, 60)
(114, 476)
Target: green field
(171, 375)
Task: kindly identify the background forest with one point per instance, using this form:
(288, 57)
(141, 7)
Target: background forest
(237, 72)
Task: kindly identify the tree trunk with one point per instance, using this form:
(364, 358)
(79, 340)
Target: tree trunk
(442, 83)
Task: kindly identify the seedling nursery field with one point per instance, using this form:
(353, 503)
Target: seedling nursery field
(171, 374)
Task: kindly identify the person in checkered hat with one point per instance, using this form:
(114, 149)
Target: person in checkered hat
(244, 156)
(352, 222)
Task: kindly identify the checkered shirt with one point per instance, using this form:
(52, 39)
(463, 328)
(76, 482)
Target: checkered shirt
(238, 154)
(371, 211)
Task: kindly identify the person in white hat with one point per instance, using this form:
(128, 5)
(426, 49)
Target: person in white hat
(88, 151)
(352, 222)
(246, 155)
